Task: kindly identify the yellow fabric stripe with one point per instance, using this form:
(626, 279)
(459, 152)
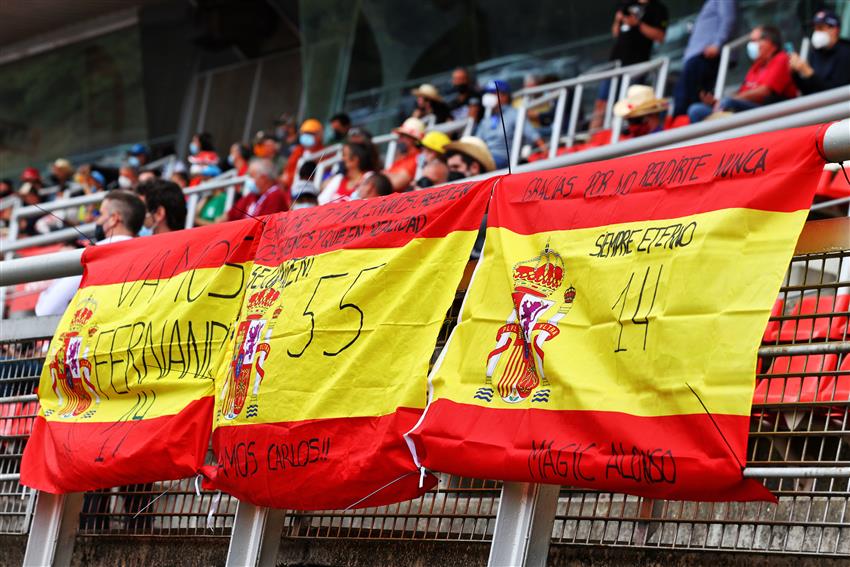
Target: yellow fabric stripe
(716, 281)
(148, 349)
(336, 367)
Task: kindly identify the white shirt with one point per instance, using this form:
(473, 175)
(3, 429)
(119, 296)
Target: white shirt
(55, 299)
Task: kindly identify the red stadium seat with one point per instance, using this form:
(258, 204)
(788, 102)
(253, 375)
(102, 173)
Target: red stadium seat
(782, 389)
(800, 330)
(837, 390)
(772, 329)
(833, 185)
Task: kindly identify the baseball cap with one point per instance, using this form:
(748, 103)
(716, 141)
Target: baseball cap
(502, 86)
(30, 174)
(138, 150)
(827, 17)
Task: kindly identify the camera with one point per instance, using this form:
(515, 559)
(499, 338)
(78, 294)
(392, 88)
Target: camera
(633, 9)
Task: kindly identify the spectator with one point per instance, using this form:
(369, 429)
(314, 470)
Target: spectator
(61, 173)
(642, 111)
(266, 146)
(468, 157)
(403, 170)
(829, 60)
(286, 134)
(434, 147)
(767, 81)
(377, 185)
(201, 142)
(128, 178)
(340, 125)
(180, 178)
(122, 214)
(713, 27)
(28, 192)
(429, 104)
(305, 184)
(435, 172)
(138, 155)
(359, 166)
(147, 177)
(497, 109)
(203, 165)
(6, 188)
(637, 25)
(310, 140)
(32, 176)
(466, 100)
(166, 207)
(238, 158)
(265, 195)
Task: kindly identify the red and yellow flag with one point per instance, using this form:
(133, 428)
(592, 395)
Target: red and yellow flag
(609, 336)
(329, 358)
(126, 391)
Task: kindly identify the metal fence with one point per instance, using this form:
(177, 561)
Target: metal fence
(800, 419)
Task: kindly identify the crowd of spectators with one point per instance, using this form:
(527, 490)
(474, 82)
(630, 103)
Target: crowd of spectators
(277, 177)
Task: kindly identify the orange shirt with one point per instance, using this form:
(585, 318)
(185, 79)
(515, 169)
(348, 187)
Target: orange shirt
(407, 164)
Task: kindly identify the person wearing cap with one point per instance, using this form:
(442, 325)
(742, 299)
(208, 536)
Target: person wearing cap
(430, 103)
(829, 59)
(468, 157)
(498, 109)
(714, 26)
(138, 155)
(767, 81)
(309, 140)
(431, 163)
(403, 170)
(642, 110)
(32, 176)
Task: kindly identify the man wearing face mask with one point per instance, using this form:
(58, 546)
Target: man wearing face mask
(497, 108)
(138, 155)
(340, 125)
(309, 140)
(122, 214)
(829, 60)
(264, 194)
(128, 178)
(466, 101)
(768, 79)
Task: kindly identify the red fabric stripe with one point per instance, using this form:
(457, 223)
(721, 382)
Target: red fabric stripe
(74, 457)
(170, 254)
(321, 464)
(386, 222)
(574, 448)
(792, 168)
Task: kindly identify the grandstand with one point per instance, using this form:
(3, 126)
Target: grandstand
(798, 443)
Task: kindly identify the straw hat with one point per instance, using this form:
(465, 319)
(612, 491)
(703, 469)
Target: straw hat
(63, 164)
(436, 141)
(412, 127)
(640, 100)
(475, 148)
(427, 91)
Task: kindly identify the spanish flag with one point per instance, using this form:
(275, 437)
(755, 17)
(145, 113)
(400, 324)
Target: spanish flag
(126, 391)
(609, 336)
(329, 358)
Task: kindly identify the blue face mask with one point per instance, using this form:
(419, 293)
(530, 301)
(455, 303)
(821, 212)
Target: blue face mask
(251, 186)
(307, 140)
(231, 161)
(194, 148)
(753, 50)
(133, 161)
(146, 231)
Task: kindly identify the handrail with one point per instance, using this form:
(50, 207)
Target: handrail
(53, 237)
(595, 77)
(723, 68)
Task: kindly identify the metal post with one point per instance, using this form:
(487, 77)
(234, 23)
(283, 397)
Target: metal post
(191, 207)
(609, 105)
(252, 104)
(390, 157)
(524, 525)
(661, 79)
(571, 130)
(805, 45)
(255, 538)
(560, 107)
(205, 99)
(617, 124)
(513, 151)
(54, 527)
(467, 130)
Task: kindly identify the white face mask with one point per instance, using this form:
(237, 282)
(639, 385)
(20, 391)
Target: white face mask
(489, 100)
(124, 182)
(820, 39)
(753, 50)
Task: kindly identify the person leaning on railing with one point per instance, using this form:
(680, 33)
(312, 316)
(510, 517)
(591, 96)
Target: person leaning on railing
(829, 60)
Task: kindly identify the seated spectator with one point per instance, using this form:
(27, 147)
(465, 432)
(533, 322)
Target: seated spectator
(166, 207)
(29, 195)
(468, 157)
(433, 147)
(403, 170)
(148, 177)
(429, 103)
(377, 185)
(359, 166)
(203, 165)
(305, 187)
(466, 100)
(435, 172)
(238, 158)
(264, 194)
(180, 178)
(637, 25)
(829, 59)
(201, 142)
(340, 125)
(128, 178)
(61, 173)
(6, 188)
(138, 155)
(310, 140)
(286, 135)
(497, 109)
(33, 177)
(768, 79)
(642, 111)
(713, 27)
(121, 216)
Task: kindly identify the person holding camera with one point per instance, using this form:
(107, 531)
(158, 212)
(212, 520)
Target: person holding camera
(638, 24)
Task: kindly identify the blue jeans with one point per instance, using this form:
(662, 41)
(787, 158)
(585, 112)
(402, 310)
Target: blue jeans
(698, 74)
(699, 111)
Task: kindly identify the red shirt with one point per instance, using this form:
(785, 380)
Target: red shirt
(405, 163)
(775, 74)
(272, 201)
(292, 163)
